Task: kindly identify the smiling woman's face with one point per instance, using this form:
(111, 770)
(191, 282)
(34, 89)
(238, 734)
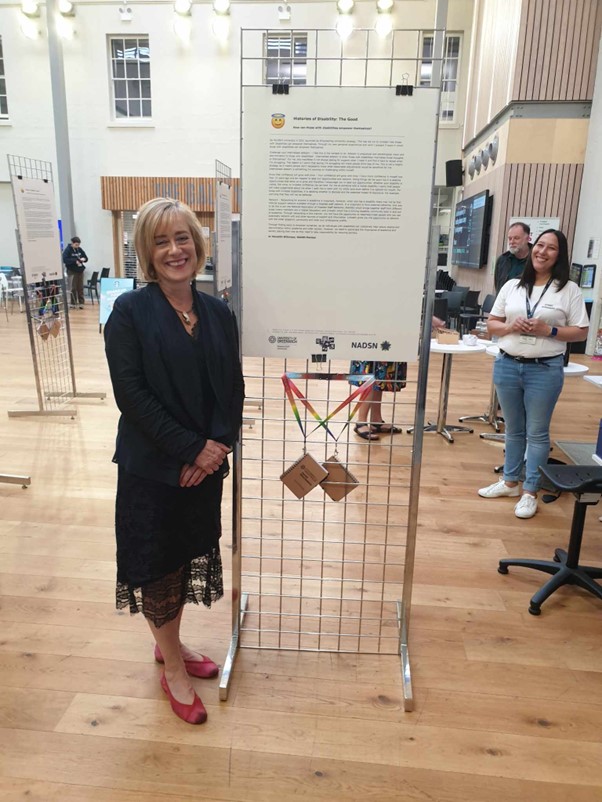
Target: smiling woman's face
(173, 254)
(545, 254)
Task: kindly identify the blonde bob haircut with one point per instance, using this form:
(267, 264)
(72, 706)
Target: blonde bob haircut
(155, 213)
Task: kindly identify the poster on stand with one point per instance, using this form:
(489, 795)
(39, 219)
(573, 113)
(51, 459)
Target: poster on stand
(38, 229)
(110, 290)
(223, 207)
(336, 203)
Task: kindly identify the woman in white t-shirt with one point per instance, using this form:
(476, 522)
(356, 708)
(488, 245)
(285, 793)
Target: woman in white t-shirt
(533, 317)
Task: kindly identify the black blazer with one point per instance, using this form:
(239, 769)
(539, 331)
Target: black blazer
(157, 388)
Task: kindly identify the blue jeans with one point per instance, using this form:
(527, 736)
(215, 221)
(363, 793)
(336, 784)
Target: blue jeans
(527, 392)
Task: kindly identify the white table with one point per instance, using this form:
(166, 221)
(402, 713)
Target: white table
(597, 380)
(448, 352)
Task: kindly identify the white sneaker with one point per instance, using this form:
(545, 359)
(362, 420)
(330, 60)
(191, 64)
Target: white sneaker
(497, 489)
(526, 507)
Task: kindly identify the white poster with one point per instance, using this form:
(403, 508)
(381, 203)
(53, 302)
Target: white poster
(336, 192)
(223, 209)
(536, 224)
(38, 228)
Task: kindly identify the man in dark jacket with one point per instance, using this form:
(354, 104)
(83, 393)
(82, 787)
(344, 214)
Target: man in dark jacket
(512, 262)
(74, 258)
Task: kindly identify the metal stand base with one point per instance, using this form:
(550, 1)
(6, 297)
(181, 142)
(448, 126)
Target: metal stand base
(224, 682)
(66, 412)
(11, 479)
(446, 430)
(498, 438)
(406, 675)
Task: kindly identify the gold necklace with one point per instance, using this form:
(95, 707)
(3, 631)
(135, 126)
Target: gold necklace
(185, 315)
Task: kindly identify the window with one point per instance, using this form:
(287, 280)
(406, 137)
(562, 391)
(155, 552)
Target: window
(451, 70)
(130, 73)
(3, 96)
(286, 58)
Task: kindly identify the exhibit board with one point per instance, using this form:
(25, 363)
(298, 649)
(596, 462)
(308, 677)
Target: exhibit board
(536, 224)
(38, 229)
(336, 200)
(223, 227)
(110, 290)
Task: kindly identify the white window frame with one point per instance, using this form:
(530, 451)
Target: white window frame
(3, 94)
(131, 88)
(448, 112)
(285, 62)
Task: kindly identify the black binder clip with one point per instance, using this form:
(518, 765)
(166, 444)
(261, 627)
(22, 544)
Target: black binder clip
(404, 88)
(280, 89)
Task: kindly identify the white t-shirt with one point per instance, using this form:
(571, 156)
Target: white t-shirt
(563, 307)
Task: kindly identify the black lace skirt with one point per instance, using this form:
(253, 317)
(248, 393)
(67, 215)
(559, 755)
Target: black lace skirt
(167, 545)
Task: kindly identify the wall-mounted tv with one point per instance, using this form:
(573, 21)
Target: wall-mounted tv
(471, 231)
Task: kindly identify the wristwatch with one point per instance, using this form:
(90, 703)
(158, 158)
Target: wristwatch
(554, 331)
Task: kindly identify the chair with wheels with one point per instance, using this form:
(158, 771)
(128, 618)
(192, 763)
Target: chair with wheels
(92, 286)
(585, 483)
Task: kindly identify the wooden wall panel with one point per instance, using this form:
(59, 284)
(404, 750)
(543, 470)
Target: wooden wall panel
(557, 50)
(128, 193)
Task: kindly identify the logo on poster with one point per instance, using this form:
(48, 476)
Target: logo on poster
(278, 120)
(364, 345)
(271, 339)
(385, 345)
(326, 343)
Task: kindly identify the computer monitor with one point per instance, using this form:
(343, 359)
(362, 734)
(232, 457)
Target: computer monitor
(588, 276)
(575, 273)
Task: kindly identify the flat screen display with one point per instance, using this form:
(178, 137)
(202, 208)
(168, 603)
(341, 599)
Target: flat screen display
(575, 273)
(588, 276)
(471, 231)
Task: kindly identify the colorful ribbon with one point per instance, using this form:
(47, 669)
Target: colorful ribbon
(291, 390)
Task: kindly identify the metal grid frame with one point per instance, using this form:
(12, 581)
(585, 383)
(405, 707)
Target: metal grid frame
(314, 574)
(47, 310)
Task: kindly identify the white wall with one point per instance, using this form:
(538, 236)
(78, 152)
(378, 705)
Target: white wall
(195, 94)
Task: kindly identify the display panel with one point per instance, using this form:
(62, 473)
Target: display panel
(575, 273)
(471, 231)
(588, 276)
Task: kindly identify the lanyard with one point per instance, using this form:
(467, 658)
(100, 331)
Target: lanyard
(531, 312)
(292, 390)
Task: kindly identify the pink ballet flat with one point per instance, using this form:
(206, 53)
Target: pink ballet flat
(202, 669)
(194, 713)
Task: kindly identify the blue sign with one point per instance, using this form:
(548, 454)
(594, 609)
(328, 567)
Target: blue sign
(110, 289)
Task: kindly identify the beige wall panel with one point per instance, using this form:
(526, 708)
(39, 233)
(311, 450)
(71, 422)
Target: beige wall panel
(555, 141)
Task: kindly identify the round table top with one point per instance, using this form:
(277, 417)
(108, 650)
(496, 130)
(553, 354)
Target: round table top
(492, 349)
(460, 348)
(573, 369)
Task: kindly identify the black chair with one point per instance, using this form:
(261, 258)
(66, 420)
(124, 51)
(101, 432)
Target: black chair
(467, 318)
(92, 286)
(105, 272)
(454, 306)
(463, 290)
(585, 483)
(440, 309)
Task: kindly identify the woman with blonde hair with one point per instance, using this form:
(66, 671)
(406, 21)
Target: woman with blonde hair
(175, 369)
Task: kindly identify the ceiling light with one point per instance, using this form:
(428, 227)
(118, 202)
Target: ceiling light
(221, 6)
(66, 8)
(384, 24)
(384, 5)
(345, 6)
(183, 7)
(344, 26)
(30, 8)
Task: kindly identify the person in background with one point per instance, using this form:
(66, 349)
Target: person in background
(175, 368)
(533, 317)
(512, 262)
(389, 377)
(74, 259)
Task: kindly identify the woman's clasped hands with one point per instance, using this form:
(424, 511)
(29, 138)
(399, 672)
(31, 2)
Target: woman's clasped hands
(208, 461)
(534, 326)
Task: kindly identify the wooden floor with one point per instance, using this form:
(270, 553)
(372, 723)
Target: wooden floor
(508, 706)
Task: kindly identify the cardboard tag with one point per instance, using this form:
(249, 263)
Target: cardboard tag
(339, 481)
(303, 475)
